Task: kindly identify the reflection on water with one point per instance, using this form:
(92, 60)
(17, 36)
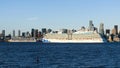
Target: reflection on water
(38, 55)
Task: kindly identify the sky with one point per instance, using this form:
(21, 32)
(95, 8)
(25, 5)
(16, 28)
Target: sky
(57, 14)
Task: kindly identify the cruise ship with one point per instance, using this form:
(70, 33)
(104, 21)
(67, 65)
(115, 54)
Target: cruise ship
(76, 37)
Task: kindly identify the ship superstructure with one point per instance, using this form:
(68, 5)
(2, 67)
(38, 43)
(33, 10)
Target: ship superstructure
(76, 37)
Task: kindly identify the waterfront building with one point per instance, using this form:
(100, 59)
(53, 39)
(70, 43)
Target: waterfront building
(1, 37)
(49, 30)
(36, 33)
(44, 30)
(27, 34)
(107, 32)
(39, 34)
(101, 29)
(91, 25)
(3, 33)
(19, 33)
(113, 31)
(33, 32)
(8, 37)
(116, 29)
(13, 33)
(23, 34)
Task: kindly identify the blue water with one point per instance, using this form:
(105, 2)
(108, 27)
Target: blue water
(39, 55)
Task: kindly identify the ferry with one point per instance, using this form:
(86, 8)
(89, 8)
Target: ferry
(22, 40)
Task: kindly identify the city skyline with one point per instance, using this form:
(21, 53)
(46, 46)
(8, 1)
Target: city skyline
(70, 14)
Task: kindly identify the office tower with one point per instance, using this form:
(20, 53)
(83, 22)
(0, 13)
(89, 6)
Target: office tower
(39, 34)
(101, 29)
(107, 31)
(116, 29)
(3, 33)
(33, 32)
(44, 31)
(23, 34)
(13, 33)
(19, 33)
(91, 26)
(36, 33)
(113, 31)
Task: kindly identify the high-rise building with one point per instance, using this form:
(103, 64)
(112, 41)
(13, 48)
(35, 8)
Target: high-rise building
(101, 29)
(33, 32)
(13, 33)
(39, 34)
(113, 31)
(108, 31)
(19, 33)
(91, 26)
(36, 33)
(116, 29)
(23, 34)
(3, 33)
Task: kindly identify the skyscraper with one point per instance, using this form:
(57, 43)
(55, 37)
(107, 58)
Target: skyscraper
(19, 33)
(107, 31)
(33, 32)
(3, 33)
(101, 29)
(116, 29)
(113, 31)
(23, 34)
(39, 34)
(13, 33)
(36, 33)
(91, 26)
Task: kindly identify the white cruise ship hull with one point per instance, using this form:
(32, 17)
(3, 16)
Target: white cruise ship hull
(72, 41)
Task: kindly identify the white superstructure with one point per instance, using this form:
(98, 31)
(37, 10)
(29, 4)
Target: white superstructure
(76, 37)
(22, 40)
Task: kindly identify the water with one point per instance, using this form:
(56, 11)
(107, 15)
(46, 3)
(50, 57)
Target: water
(39, 55)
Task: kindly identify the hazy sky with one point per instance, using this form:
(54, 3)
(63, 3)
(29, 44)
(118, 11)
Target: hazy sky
(56, 14)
